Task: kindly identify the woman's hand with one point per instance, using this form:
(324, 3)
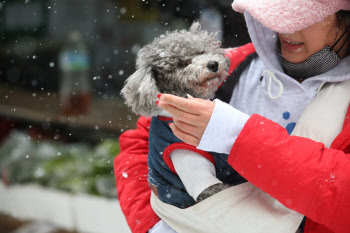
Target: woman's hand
(191, 116)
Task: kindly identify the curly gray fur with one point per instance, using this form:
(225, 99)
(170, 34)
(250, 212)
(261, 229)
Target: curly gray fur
(175, 63)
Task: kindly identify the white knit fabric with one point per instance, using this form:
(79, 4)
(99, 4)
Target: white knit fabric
(196, 172)
(219, 143)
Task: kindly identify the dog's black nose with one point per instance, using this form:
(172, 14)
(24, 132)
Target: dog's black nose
(213, 66)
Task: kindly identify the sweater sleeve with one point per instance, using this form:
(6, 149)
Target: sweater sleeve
(302, 174)
(234, 121)
(130, 169)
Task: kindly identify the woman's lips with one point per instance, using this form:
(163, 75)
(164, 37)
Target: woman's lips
(291, 45)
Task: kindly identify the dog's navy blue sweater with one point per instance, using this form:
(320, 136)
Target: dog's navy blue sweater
(161, 172)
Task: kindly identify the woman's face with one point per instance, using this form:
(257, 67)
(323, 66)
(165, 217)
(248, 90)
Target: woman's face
(298, 46)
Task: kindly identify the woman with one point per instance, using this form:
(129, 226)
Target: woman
(307, 56)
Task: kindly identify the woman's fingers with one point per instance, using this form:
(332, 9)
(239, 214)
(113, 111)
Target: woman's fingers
(191, 116)
(178, 102)
(178, 114)
(185, 127)
(185, 137)
(192, 105)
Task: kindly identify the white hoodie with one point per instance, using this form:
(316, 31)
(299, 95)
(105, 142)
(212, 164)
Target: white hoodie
(252, 96)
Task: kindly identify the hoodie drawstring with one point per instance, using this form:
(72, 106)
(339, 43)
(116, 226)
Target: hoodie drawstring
(272, 76)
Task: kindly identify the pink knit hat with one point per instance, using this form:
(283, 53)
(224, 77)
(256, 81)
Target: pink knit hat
(288, 16)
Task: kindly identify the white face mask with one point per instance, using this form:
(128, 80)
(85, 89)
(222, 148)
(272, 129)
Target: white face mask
(316, 64)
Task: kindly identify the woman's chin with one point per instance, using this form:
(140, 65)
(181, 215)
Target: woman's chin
(293, 57)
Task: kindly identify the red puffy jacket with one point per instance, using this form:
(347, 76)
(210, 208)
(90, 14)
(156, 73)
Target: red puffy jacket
(317, 179)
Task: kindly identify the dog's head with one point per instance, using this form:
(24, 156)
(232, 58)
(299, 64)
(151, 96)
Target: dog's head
(180, 62)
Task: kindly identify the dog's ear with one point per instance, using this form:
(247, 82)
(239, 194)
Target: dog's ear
(140, 92)
(196, 27)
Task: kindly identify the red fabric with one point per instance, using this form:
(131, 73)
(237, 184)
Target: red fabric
(302, 174)
(133, 191)
(130, 169)
(238, 55)
(342, 141)
(183, 146)
(165, 118)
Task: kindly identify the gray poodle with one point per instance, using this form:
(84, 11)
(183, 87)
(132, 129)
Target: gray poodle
(179, 63)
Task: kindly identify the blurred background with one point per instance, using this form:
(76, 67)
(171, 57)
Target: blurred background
(62, 66)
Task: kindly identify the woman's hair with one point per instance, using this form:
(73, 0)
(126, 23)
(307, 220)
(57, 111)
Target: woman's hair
(343, 20)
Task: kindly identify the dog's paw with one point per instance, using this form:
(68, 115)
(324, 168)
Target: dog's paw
(211, 191)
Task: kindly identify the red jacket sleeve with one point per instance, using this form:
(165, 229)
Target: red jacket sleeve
(130, 169)
(302, 174)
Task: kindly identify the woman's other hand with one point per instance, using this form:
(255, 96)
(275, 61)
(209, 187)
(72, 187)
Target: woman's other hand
(191, 116)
